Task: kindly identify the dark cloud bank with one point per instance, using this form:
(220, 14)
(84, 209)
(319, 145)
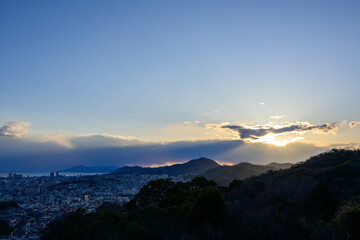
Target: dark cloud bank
(21, 155)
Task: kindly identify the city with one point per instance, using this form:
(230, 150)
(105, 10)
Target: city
(38, 200)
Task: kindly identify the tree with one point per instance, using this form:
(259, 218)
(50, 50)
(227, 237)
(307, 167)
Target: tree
(5, 229)
(208, 208)
(151, 194)
(201, 182)
(235, 184)
(348, 217)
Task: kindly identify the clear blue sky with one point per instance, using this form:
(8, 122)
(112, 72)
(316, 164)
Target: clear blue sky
(128, 67)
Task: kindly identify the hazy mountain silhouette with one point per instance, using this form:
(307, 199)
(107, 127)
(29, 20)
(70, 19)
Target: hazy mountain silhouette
(94, 169)
(195, 166)
(223, 175)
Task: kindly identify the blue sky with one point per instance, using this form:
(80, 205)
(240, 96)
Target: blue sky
(164, 70)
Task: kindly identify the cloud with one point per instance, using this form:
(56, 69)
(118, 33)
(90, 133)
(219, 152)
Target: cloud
(14, 129)
(94, 141)
(194, 122)
(212, 112)
(262, 103)
(240, 144)
(342, 124)
(28, 155)
(18, 154)
(353, 124)
(277, 117)
(105, 141)
(249, 133)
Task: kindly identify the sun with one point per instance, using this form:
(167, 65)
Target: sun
(270, 139)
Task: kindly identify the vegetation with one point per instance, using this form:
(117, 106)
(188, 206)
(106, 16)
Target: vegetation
(317, 199)
(8, 205)
(348, 218)
(5, 229)
(224, 175)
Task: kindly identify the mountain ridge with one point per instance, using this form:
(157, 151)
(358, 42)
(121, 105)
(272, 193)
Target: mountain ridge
(223, 175)
(194, 166)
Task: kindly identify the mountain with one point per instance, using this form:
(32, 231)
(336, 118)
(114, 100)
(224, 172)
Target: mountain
(94, 169)
(195, 166)
(223, 175)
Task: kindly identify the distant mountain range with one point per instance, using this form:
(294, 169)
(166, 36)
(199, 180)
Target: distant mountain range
(193, 167)
(223, 175)
(95, 169)
(208, 168)
(205, 167)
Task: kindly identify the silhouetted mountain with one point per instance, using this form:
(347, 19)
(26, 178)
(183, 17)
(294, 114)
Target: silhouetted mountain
(280, 165)
(95, 169)
(223, 175)
(194, 167)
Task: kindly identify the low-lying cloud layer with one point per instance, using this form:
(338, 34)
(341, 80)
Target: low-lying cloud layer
(63, 151)
(17, 154)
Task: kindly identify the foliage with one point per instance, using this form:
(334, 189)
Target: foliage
(161, 210)
(8, 205)
(348, 217)
(5, 229)
(235, 184)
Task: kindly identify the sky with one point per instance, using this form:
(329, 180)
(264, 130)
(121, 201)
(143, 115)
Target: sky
(157, 82)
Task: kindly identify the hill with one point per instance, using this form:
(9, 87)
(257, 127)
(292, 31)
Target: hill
(194, 167)
(315, 199)
(95, 169)
(223, 175)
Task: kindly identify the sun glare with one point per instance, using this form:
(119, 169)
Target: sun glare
(270, 139)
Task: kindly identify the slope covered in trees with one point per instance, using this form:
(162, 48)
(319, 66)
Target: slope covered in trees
(224, 175)
(317, 199)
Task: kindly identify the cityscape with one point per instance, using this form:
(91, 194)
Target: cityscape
(41, 199)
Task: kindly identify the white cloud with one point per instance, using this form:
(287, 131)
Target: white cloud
(277, 117)
(354, 124)
(95, 141)
(343, 124)
(212, 112)
(14, 129)
(262, 103)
